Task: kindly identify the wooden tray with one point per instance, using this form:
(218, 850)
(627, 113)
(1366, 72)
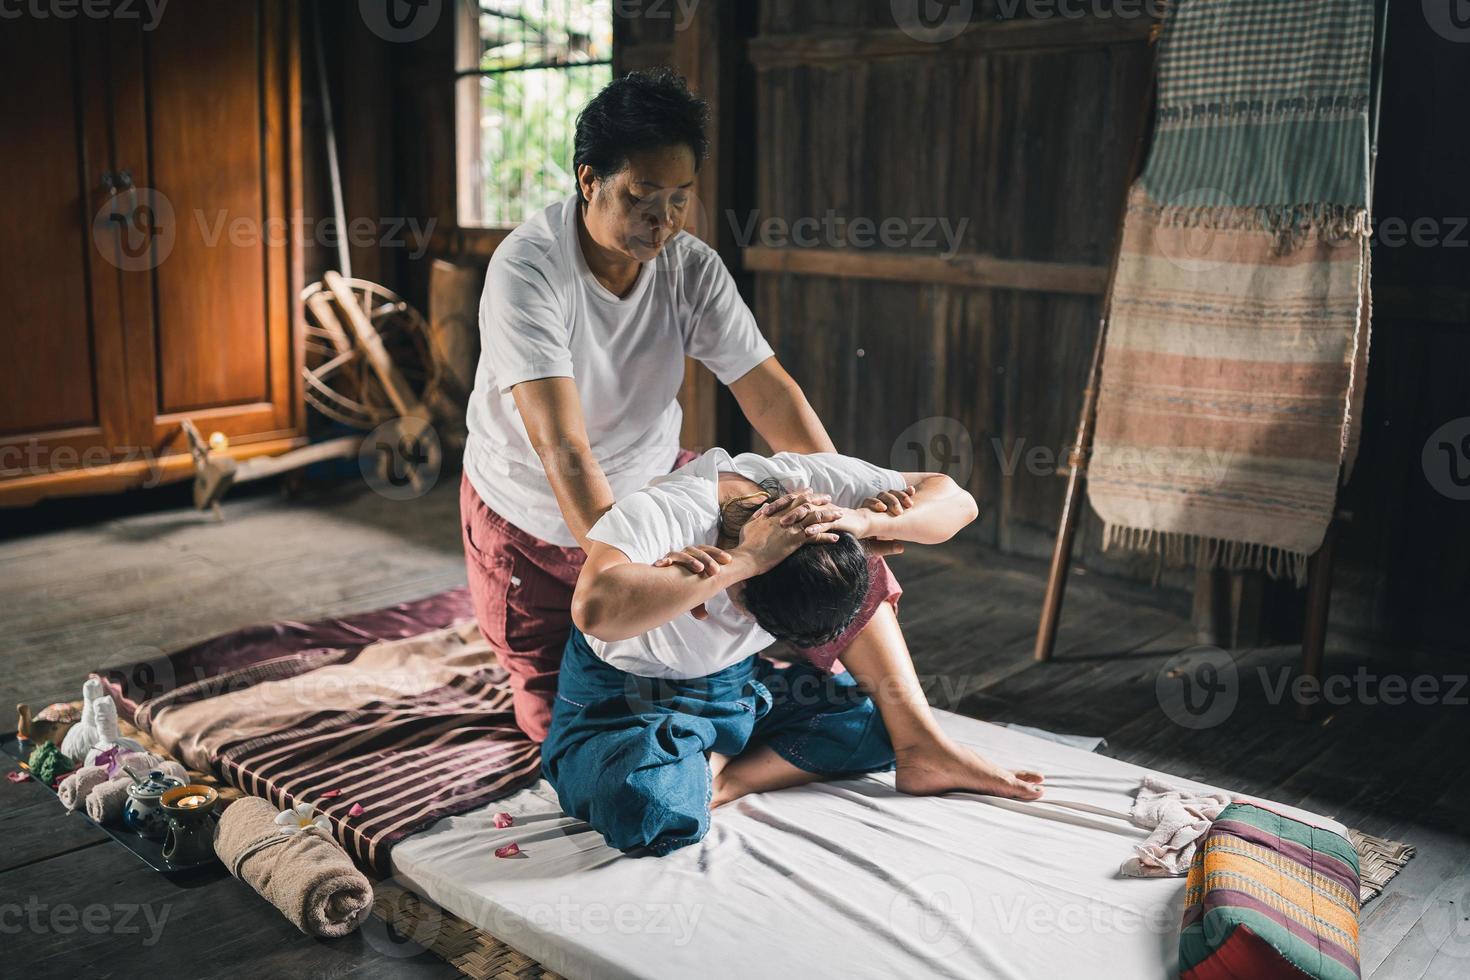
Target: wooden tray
(150, 852)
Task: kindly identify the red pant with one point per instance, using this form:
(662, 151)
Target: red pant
(522, 590)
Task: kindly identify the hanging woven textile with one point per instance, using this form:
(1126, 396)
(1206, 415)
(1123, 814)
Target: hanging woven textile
(1237, 342)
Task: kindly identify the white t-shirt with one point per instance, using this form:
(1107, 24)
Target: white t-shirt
(544, 315)
(682, 508)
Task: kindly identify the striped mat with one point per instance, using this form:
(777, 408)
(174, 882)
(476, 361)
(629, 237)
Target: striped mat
(1237, 340)
(408, 718)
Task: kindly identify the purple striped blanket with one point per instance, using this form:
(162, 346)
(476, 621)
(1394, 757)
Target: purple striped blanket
(401, 711)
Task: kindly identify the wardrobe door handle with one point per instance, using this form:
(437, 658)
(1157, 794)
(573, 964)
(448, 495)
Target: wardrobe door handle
(119, 183)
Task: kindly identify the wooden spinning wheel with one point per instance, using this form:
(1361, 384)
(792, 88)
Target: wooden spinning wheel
(343, 382)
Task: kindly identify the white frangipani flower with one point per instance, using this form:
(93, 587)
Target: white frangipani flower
(301, 817)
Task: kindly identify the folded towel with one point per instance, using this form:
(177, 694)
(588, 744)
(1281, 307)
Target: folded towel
(106, 800)
(75, 787)
(1178, 819)
(305, 874)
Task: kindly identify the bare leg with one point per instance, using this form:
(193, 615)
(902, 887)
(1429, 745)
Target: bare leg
(758, 770)
(929, 762)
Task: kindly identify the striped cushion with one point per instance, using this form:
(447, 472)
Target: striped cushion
(1269, 896)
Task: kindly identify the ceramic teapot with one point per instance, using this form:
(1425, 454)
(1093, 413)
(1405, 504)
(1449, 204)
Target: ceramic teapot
(142, 813)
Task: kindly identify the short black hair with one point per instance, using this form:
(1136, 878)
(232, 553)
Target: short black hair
(813, 596)
(643, 110)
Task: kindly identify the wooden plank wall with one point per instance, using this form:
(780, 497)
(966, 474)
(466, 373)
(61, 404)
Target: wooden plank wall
(1017, 133)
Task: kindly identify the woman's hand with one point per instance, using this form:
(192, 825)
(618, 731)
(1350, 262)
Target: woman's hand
(778, 528)
(892, 502)
(701, 559)
(833, 520)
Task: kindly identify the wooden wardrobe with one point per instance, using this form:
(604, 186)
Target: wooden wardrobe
(148, 270)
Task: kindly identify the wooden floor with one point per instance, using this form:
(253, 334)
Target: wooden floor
(82, 587)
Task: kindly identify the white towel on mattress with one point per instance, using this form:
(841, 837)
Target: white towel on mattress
(1178, 819)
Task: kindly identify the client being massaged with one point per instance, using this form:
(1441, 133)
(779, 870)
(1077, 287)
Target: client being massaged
(664, 711)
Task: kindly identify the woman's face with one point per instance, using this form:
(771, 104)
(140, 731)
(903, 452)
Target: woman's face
(635, 211)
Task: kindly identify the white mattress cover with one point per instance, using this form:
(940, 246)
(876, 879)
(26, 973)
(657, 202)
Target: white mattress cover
(833, 879)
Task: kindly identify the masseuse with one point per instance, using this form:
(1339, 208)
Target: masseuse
(589, 310)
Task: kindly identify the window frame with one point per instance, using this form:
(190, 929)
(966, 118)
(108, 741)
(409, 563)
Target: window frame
(467, 128)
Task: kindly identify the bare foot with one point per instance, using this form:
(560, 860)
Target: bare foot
(945, 767)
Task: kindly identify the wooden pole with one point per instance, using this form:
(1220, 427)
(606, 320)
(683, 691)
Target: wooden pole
(1081, 451)
(1319, 566)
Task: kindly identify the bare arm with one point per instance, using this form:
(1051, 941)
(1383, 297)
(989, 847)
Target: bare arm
(552, 412)
(776, 407)
(617, 598)
(935, 511)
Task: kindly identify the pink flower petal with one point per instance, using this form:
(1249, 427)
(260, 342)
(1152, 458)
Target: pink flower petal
(356, 810)
(330, 794)
(109, 759)
(18, 777)
(503, 820)
(509, 850)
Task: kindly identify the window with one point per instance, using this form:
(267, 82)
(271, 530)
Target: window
(526, 67)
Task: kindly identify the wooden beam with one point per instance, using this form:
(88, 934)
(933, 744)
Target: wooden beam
(466, 244)
(982, 271)
(704, 53)
(129, 475)
(1049, 34)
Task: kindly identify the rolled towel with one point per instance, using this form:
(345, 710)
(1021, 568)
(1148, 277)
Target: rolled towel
(75, 787)
(140, 762)
(106, 800)
(305, 874)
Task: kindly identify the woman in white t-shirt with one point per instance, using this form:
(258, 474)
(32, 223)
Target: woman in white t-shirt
(661, 716)
(590, 308)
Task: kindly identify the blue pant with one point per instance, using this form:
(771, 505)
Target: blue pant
(627, 753)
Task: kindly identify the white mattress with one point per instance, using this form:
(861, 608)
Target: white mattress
(833, 879)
